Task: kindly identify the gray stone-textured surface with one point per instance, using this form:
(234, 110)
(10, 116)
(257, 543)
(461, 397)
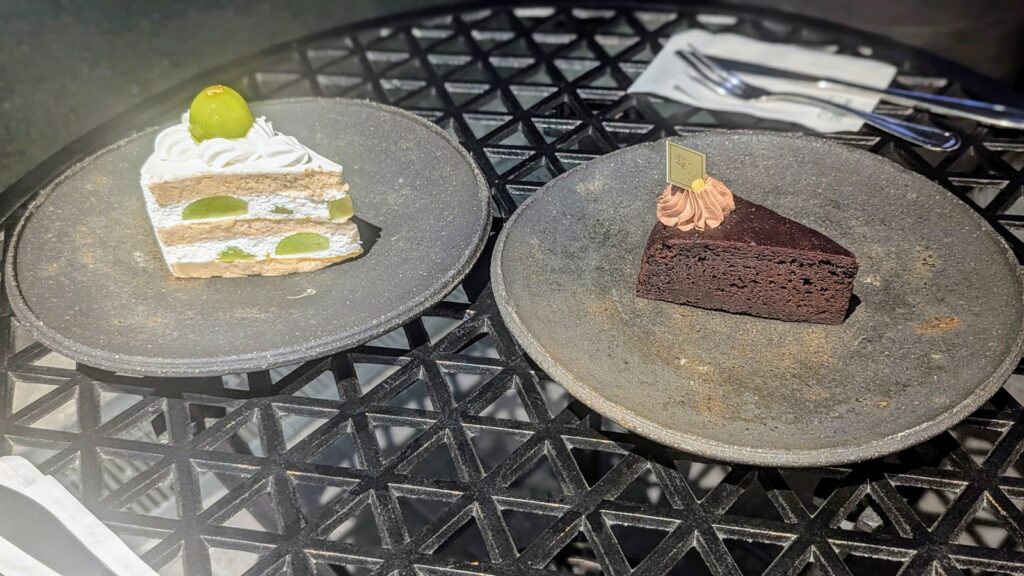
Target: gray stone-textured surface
(937, 331)
(105, 297)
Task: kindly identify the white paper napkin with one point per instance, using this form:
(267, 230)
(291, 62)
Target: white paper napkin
(667, 70)
(19, 474)
(14, 561)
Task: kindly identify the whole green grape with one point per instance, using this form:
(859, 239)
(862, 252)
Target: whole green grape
(218, 112)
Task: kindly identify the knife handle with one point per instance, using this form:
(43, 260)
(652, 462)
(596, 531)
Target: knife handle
(980, 111)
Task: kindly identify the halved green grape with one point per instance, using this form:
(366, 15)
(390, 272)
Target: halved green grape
(234, 254)
(215, 207)
(282, 210)
(341, 208)
(301, 243)
(218, 112)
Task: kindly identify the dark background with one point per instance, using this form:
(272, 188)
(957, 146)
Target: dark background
(66, 66)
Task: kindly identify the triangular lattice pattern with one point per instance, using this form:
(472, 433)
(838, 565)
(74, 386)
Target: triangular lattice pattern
(439, 448)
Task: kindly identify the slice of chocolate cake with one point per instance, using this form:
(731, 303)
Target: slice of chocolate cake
(755, 261)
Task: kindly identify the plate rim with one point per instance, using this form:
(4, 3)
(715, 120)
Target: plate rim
(240, 363)
(717, 450)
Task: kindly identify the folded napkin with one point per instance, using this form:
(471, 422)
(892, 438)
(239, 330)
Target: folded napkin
(14, 561)
(19, 474)
(668, 70)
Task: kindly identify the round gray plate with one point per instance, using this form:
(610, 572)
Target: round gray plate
(938, 328)
(85, 274)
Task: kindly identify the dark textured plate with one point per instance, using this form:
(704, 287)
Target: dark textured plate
(85, 274)
(938, 328)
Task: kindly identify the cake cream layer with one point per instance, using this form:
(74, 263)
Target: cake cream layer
(343, 240)
(275, 187)
(269, 207)
(226, 229)
(311, 184)
(264, 161)
(256, 267)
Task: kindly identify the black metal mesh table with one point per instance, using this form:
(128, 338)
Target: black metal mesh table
(440, 448)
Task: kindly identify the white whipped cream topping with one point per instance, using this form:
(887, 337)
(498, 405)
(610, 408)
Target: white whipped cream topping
(262, 247)
(261, 145)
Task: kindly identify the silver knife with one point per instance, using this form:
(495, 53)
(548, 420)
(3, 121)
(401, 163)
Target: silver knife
(28, 525)
(978, 110)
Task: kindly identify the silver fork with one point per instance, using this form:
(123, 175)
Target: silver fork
(718, 79)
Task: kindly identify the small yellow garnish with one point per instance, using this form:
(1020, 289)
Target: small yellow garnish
(697, 185)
